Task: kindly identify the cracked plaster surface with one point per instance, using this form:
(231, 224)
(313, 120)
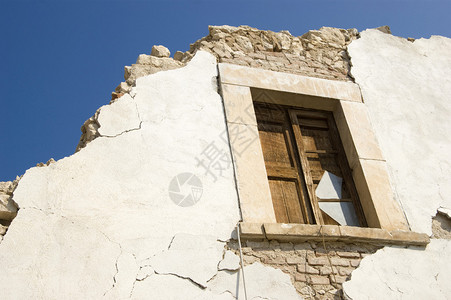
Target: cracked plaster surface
(190, 256)
(406, 89)
(399, 273)
(119, 117)
(262, 282)
(230, 262)
(100, 223)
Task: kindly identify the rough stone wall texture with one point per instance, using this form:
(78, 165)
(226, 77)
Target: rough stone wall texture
(318, 53)
(441, 226)
(8, 208)
(317, 272)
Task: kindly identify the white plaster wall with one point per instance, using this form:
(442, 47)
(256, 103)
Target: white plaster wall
(406, 87)
(100, 223)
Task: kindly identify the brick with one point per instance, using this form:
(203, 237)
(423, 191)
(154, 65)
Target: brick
(294, 260)
(324, 253)
(304, 268)
(316, 279)
(317, 261)
(257, 55)
(355, 262)
(348, 254)
(288, 269)
(339, 262)
(338, 279)
(345, 271)
(326, 270)
(278, 260)
(300, 277)
(257, 245)
(286, 246)
(246, 250)
(307, 291)
(248, 260)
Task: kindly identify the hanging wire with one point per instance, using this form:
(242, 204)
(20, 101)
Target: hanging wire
(241, 259)
(327, 253)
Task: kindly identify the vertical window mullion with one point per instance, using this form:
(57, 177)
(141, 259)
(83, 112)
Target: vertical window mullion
(307, 176)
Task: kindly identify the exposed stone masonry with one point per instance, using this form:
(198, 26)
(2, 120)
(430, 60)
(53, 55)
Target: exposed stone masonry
(8, 208)
(308, 263)
(441, 226)
(318, 53)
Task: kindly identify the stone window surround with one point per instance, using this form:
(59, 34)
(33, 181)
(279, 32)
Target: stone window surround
(385, 218)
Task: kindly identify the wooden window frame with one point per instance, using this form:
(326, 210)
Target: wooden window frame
(303, 207)
(240, 86)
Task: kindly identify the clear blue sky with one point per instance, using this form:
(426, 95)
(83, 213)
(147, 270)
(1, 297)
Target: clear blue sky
(61, 60)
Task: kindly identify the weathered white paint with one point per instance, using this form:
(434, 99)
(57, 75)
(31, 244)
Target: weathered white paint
(406, 88)
(101, 223)
(399, 273)
(231, 262)
(261, 282)
(119, 117)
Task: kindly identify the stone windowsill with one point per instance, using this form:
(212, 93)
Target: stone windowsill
(303, 232)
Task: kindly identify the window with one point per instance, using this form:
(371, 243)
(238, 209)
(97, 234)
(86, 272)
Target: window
(317, 180)
(308, 174)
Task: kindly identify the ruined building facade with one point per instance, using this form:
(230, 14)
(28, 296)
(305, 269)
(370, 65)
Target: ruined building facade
(256, 165)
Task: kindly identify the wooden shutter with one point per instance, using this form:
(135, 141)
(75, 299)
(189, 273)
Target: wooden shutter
(298, 147)
(287, 192)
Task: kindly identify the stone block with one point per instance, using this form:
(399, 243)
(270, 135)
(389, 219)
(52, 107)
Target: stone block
(7, 187)
(347, 254)
(322, 252)
(356, 133)
(248, 260)
(410, 237)
(339, 261)
(317, 261)
(178, 55)
(338, 279)
(300, 232)
(293, 260)
(326, 270)
(257, 55)
(300, 277)
(233, 74)
(317, 279)
(160, 51)
(253, 187)
(278, 260)
(3, 229)
(251, 230)
(305, 268)
(345, 271)
(257, 245)
(8, 209)
(354, 262)
(238, 104)
(365, 234)
(378, 202)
